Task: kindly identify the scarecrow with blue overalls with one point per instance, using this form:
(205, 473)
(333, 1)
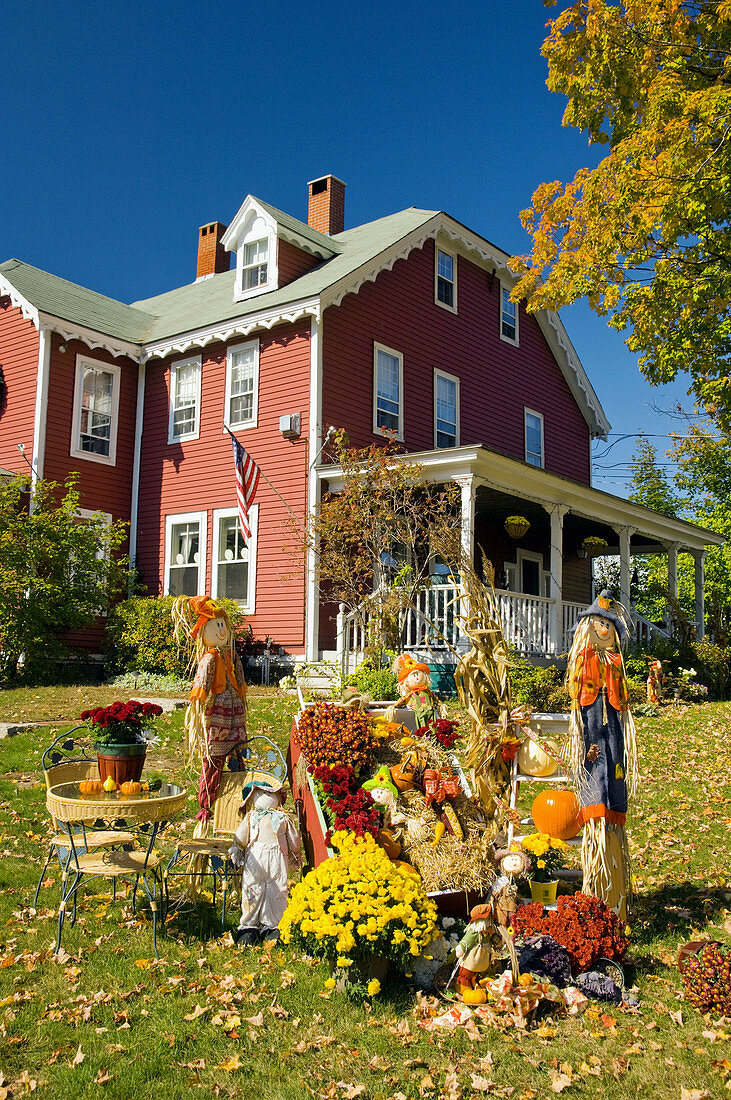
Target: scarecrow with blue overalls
(603, 748)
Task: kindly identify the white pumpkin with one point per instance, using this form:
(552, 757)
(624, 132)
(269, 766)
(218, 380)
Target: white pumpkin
(532, 760)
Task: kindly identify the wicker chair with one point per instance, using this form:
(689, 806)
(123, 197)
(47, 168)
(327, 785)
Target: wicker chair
(257, 758)
(60, 765)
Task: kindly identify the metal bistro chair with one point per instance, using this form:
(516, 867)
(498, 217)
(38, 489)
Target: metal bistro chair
(61, 766)
(257, 758)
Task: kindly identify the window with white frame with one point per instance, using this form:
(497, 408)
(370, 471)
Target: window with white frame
(534, 454)
(446, 410)
(508, 317)
(102, 520)
(388, 371)
(96, 411)
(242, 385)
(185, 399)
(254, 267)
(446, 279)
(234, 561)
(185, 554)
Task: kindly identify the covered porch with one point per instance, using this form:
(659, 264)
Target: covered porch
(543, 567)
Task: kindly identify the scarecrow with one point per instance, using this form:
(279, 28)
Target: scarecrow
(416, 692)
(216, 717)
(266, 844)
(654, 682)
(603, 750)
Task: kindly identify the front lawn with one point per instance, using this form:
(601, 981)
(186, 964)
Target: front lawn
(107, 1017)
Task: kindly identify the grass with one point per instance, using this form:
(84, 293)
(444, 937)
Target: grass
(106, 1017)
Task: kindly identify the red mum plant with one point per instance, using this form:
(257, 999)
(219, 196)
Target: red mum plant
(330, 735)
(346, 804)
(122, 723)
(442, 730)
(583, 924)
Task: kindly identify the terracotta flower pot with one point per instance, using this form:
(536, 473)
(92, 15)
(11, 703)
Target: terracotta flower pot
(123, 763)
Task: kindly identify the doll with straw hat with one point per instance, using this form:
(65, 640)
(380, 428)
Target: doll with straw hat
(216, 716)
(416, 693)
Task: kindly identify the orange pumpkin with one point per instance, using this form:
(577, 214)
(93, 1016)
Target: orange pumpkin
(472, 996)
(90, 786)
(131, 787)
(557, 813)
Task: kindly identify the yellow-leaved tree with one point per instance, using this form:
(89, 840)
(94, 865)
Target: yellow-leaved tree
(645, 235)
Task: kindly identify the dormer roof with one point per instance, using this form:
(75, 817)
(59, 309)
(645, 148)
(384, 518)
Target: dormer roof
(288, 228)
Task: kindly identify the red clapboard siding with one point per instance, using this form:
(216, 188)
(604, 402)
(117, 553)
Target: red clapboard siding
(198, 475)
(497, 380)
(103, 488)
(293, 262)
(19, 341)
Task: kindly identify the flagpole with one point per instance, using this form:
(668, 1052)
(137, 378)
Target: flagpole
(275, 491)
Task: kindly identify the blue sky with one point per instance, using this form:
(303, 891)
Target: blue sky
(125, 127)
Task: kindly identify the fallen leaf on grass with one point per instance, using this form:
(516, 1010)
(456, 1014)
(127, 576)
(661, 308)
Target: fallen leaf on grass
(231, 1064)
(255, 1021)
(452, 1091)
(426, 1084)
(694, 1094)
(102, 1077)
(559, 1081)
(78, 1058)
(197, 1011)
(350, 1091)
(480, 1084)
(677, 1017)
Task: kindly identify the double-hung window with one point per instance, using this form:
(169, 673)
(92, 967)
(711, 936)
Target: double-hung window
(388, 377)
(185, 554)
(242, 385)
(534, 449)
(185, 399)
(508, 317)
(446, 279)
(234, 562)
(446, 410)
(96, 411)
(255, 264)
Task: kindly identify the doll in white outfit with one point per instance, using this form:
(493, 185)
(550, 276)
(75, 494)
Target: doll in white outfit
(266, 845)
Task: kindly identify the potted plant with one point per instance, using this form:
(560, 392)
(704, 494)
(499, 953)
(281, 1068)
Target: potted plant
(594, 546)
(123, 733)
(547, 856)
(517, 526)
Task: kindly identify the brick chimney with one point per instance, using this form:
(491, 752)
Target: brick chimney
(326, 208)
(212, 256)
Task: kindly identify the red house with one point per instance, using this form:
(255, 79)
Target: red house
(403, 324)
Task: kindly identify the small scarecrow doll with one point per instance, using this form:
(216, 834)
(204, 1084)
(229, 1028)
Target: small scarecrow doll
(479, 948)
(216, 717)
(654, 682)
(603, 749)
(416, 692)
(266, 845)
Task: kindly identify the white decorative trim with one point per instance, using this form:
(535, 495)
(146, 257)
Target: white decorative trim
(252, 420)
(248, 606)
(450, 378)
(28, 310)
(398, 356)
(187, 517)
(577, 378)
(75, 449)
(241, 326)
(312, 600)
(41, 407)
(67, 330)
(192, 360)
(136, 459)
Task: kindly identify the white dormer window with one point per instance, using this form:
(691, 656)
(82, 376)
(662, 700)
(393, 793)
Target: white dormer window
(255, 264)
(252, 235)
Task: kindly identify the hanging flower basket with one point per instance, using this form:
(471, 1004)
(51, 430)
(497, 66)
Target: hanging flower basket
(595, 546)
(517, 526)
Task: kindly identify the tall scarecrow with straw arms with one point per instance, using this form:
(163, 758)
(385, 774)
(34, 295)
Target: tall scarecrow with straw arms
(603, 748)
(216, 717)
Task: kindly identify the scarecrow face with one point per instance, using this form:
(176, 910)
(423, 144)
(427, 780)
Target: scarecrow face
(215, 633)
(513, 863)
(416, 680)
(381, 795)
(266, 800)
(602, 634)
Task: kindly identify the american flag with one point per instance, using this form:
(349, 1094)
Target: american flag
(247, 479)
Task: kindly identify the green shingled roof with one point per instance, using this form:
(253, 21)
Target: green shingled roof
(209, 301)
(70, 302)
(300, 229)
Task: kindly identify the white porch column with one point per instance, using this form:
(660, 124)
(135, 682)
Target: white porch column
(673, 548)
(468, 493)
(556, 512)
(625, 535)
(699, 558)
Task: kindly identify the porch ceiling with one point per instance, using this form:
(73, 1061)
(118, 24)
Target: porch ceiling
(530, 484)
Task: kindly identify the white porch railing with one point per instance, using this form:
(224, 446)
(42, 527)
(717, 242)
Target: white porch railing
(527, 623)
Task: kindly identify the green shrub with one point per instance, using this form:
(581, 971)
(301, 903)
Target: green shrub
(379, 683)
(538, 687)
(140, 636)
(713, 666)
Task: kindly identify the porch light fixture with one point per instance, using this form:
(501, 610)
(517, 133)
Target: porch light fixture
(517, 526)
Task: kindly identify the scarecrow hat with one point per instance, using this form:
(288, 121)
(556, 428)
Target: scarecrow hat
(382, 778)
(205, 609)
(405, 664)
(604, 607)
(481, 912)
(262, 783)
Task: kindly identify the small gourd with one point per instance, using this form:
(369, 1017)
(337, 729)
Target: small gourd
(476, 996)
(131, 787)
(109, 784)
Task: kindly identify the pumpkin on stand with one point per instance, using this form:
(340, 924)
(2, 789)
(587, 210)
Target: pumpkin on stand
(534, 760)
(557, 813)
